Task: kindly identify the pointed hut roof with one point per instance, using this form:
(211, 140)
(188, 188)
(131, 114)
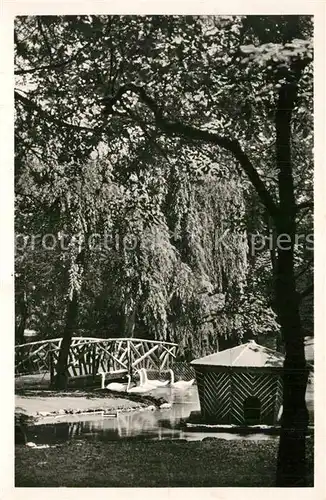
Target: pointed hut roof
(249, 355)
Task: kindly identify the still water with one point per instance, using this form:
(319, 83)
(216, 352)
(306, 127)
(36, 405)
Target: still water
(150, 425)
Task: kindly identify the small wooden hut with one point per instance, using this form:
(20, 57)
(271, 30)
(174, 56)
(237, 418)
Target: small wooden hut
(240, 386)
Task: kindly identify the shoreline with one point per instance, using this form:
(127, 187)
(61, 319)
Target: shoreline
(48, 406)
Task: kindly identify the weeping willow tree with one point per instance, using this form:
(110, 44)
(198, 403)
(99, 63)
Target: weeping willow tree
(182, 272)
(174, 266)
(213, 250)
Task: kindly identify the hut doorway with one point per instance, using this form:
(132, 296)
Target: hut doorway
(251, 410)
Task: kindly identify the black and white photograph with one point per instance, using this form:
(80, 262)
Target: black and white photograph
(164, 251)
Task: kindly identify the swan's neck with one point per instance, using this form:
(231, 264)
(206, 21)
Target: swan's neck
(103, 380)
(129, 380)
(172, 376)
(145, 378)
(142, 377)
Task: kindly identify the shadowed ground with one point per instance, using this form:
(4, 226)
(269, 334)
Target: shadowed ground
(132, 463)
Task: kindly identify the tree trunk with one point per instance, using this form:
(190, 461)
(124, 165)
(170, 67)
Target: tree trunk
(130, 318)
(291, 462)
(61, 377)
(291, 467)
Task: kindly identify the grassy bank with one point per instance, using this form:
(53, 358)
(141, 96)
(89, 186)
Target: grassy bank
(53, 404)
(132, 463)
(41, 403)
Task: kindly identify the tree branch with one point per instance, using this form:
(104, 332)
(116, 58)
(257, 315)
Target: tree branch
(179, 129)
(305, 204)
(32, 105)
(150, 137)
(45, 67)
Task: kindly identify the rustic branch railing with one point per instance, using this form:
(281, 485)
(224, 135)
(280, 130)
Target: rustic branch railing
(89, 356)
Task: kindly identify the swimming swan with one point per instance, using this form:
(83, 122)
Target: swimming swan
(181, 385)
(154, 383)
(138, 389)
(113, 386)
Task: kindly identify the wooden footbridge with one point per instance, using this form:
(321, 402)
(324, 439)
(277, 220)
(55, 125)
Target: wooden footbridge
(90, 356)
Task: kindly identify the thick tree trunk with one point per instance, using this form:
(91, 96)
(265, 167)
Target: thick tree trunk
(291, 462)
(291, 456)
(61, 377)
(61, 368)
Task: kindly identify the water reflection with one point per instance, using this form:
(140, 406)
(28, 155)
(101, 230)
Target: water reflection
(158, 424)
(145, 424)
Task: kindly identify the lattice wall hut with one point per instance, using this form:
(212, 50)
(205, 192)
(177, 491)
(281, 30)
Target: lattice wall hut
(240, 386)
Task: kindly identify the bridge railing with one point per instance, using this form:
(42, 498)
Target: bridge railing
(34, 357)
(89, 356)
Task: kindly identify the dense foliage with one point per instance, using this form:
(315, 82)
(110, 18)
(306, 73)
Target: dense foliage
(182, 208)
(184, 140)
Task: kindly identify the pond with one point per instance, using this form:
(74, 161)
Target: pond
(152, 425)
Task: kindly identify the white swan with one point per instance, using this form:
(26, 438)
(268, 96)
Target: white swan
(138, 389)
(181, 385)
(154, 383)
(113, 386)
